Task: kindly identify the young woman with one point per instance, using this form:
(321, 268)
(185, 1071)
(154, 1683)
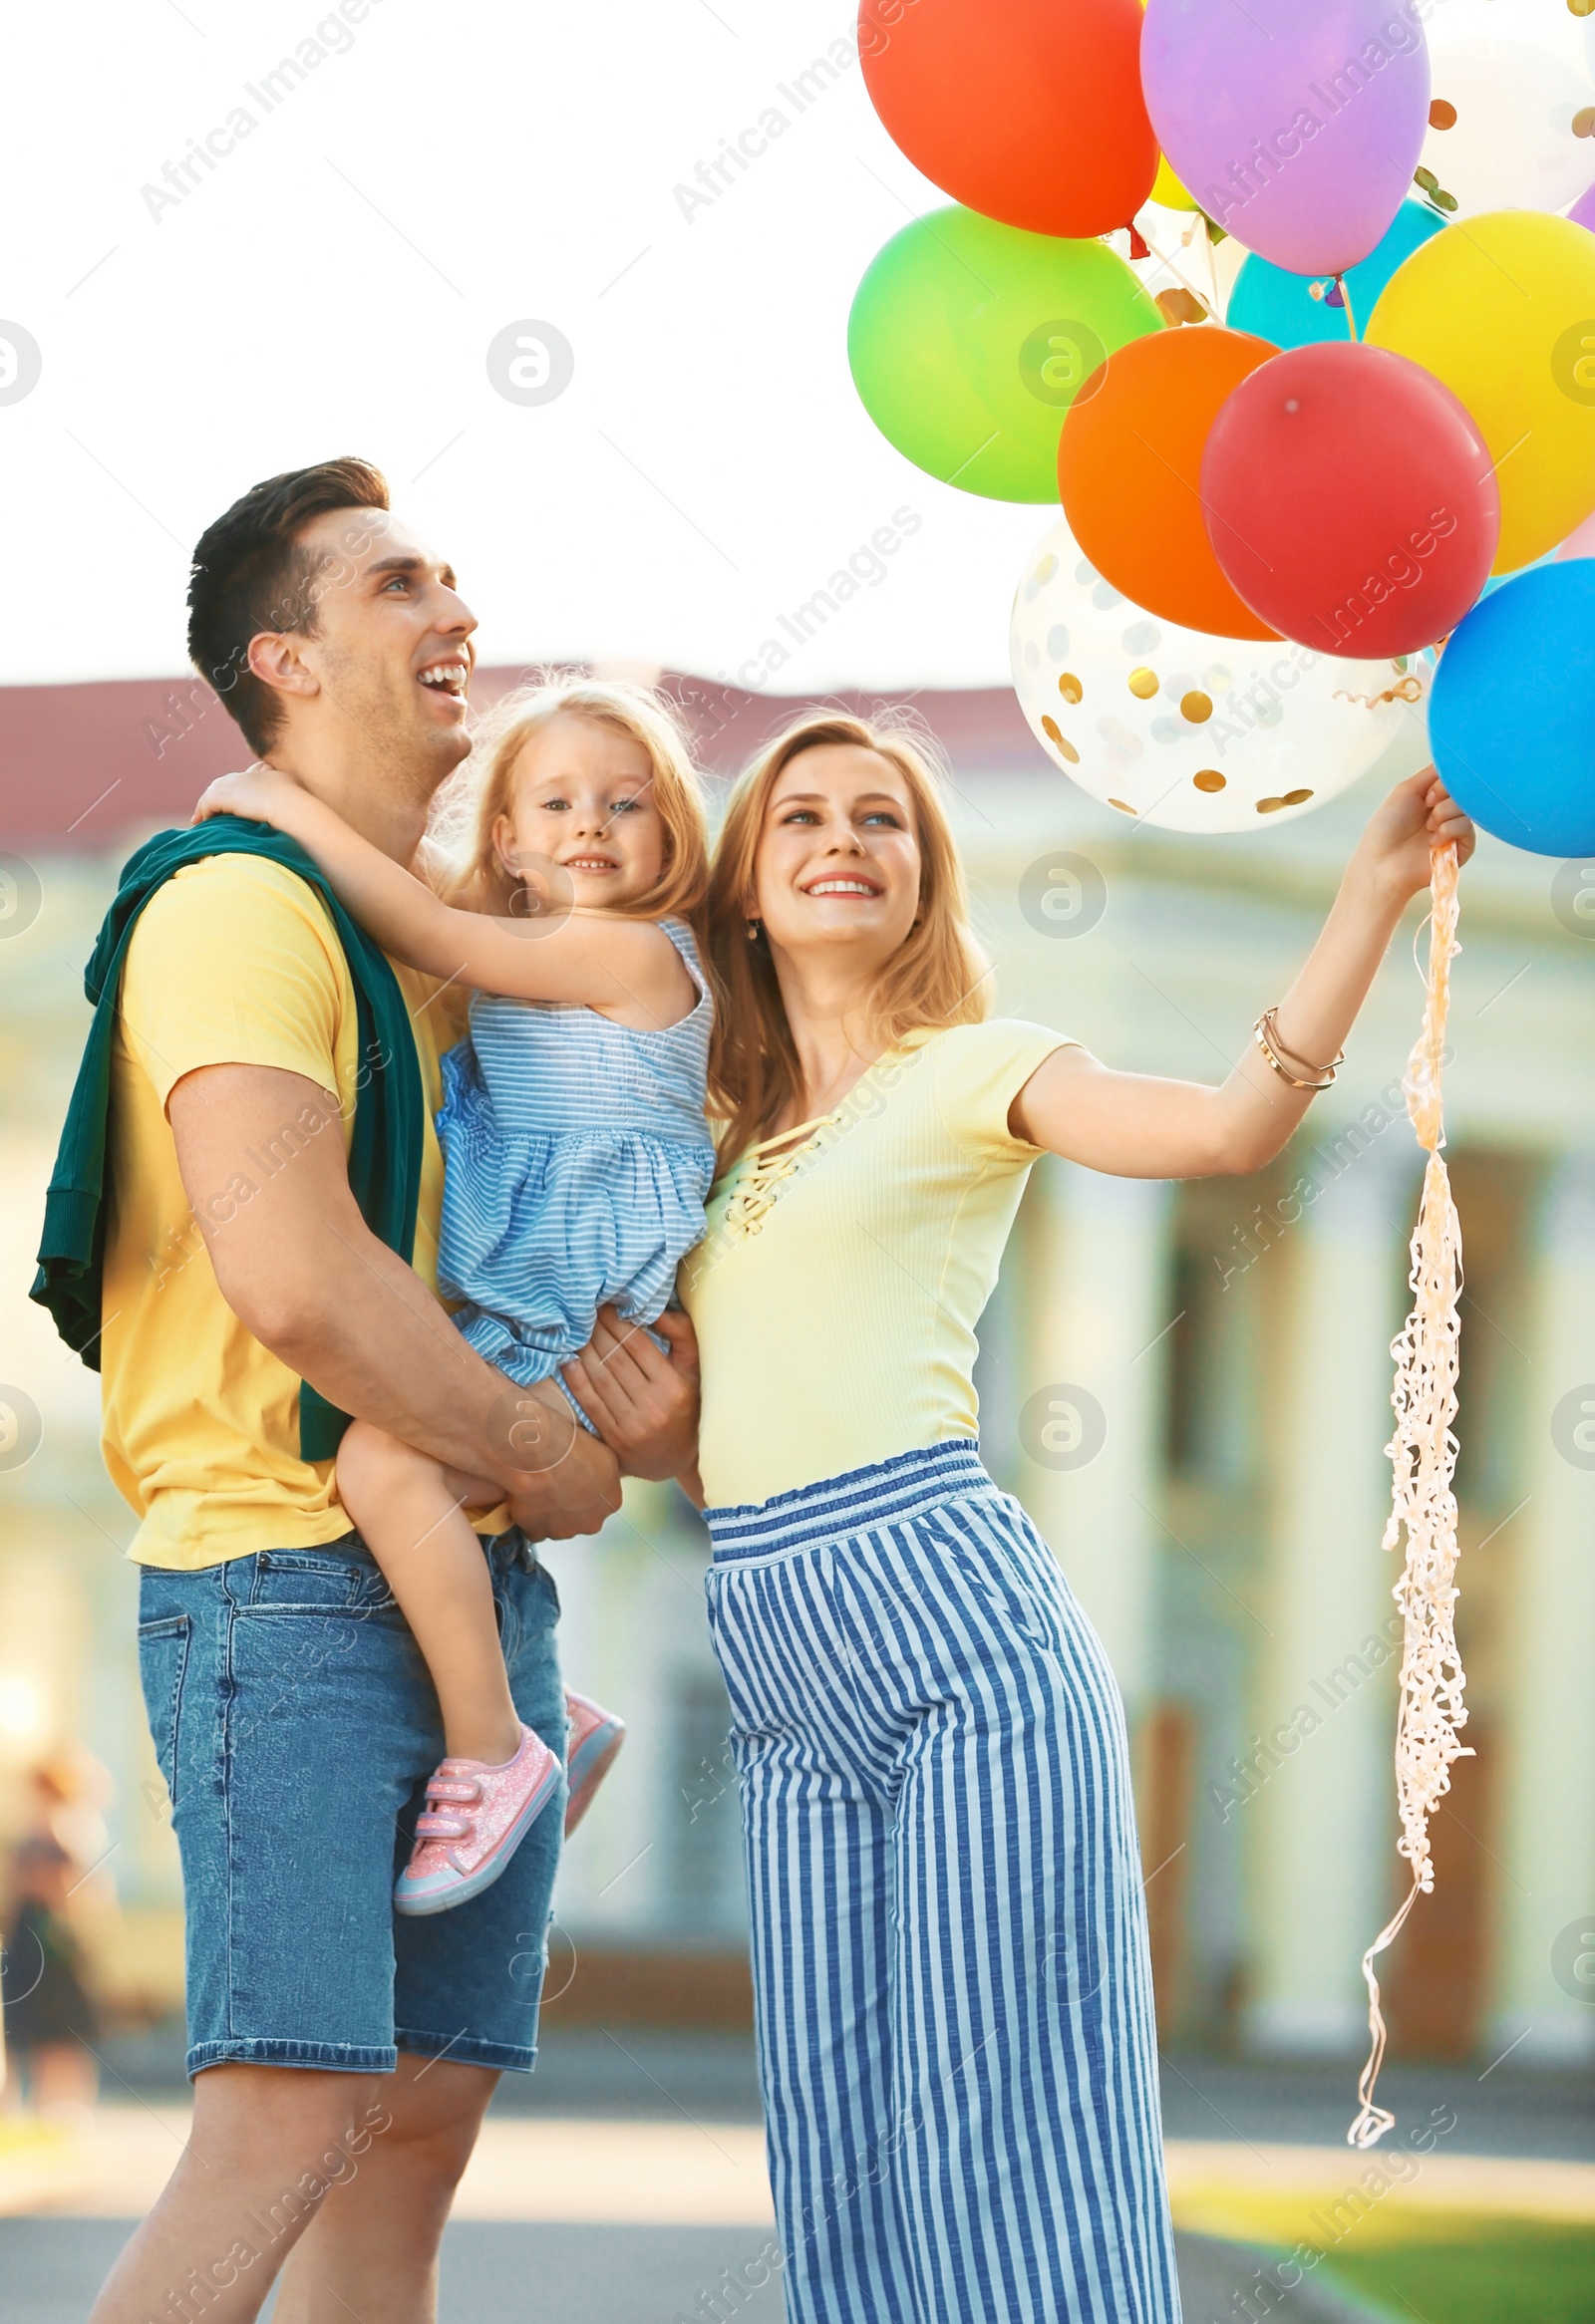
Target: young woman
(955, 2021)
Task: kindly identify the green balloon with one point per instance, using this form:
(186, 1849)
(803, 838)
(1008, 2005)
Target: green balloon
(969, 340)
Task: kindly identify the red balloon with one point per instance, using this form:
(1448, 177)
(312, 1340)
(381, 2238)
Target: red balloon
(1352, 501)
(1028, 110)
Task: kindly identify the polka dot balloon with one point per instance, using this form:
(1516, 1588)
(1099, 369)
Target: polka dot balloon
(1188, 731)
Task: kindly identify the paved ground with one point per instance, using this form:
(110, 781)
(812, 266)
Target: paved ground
(1497, 2111)
(633, 2172)
(622, 2182)
(496, 2273)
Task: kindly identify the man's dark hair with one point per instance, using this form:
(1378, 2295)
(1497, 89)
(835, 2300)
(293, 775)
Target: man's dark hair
(250, 574)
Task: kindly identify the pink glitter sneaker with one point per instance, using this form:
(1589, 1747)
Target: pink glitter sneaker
(476, 1817)
(595, 1736)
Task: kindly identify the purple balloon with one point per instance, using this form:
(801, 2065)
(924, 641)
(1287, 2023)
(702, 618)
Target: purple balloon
(1296, 128)
(1582, 213)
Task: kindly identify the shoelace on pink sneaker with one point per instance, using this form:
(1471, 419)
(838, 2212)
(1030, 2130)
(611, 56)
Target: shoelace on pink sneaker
(463, 1790)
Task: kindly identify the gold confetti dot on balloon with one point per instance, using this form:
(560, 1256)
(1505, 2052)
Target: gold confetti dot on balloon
(1198, 707)
(1058, 739)
(1070, 687)
(1441, 113)
(1045, 571)
(1269, 806)
(1297, 798)
(1144, 684)
(1584, 122)
(1180, 306)
(1209, 779)
(1123, 809)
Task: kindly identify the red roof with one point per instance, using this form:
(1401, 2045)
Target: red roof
(82, 766)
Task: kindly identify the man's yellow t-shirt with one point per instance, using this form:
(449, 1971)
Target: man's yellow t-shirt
(233, 962)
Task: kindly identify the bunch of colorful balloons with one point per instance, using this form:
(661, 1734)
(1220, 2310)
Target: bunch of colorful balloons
(1271, 518)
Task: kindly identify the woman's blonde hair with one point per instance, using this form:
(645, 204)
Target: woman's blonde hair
(938, 975)
(474, 872)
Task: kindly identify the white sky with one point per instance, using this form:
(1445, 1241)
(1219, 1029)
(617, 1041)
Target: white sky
(334, 283)
(529, 155)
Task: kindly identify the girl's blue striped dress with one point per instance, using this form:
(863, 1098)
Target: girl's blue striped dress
(576, 1165)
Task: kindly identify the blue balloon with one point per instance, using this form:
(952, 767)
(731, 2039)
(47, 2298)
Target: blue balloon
(1280, 307)
(1511, 714)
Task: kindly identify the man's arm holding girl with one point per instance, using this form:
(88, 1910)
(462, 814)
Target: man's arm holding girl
(600, 959)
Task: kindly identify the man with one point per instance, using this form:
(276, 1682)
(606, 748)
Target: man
(343, 2059)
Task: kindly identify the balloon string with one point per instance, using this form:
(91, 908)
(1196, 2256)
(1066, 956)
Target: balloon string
(1422, 1456)
(1346, 296)
(1374, 2120)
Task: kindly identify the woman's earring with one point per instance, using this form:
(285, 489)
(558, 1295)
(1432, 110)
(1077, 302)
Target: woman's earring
(753, 932)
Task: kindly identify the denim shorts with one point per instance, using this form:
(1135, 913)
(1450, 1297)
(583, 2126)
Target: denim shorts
(296, 1726)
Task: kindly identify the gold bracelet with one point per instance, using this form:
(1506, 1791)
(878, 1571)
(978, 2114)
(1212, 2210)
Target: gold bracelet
(1266, 1034)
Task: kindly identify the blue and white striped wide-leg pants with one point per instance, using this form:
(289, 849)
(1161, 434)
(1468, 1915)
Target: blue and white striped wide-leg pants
(955, 2021)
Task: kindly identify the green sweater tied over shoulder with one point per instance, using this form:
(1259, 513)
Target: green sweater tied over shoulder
(385, 1144)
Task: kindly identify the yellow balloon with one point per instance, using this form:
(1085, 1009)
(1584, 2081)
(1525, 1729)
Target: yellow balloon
(1168, 189)
(1501, 309)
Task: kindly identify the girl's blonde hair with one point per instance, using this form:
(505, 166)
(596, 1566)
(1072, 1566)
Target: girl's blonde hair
(937, 977)
(474, 874)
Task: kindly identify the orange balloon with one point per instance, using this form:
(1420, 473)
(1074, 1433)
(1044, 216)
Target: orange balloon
(1129, 466)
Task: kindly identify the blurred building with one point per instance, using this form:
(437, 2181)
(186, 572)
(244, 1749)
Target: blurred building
(1187, 1386)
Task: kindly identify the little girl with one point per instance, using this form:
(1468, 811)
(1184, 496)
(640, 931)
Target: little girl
(576, 1163)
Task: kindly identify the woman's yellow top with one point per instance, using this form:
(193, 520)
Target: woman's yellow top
(847, 1262)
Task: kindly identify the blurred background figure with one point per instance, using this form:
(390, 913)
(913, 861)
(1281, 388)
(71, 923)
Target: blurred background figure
(68, 1795)
(54, 1896)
